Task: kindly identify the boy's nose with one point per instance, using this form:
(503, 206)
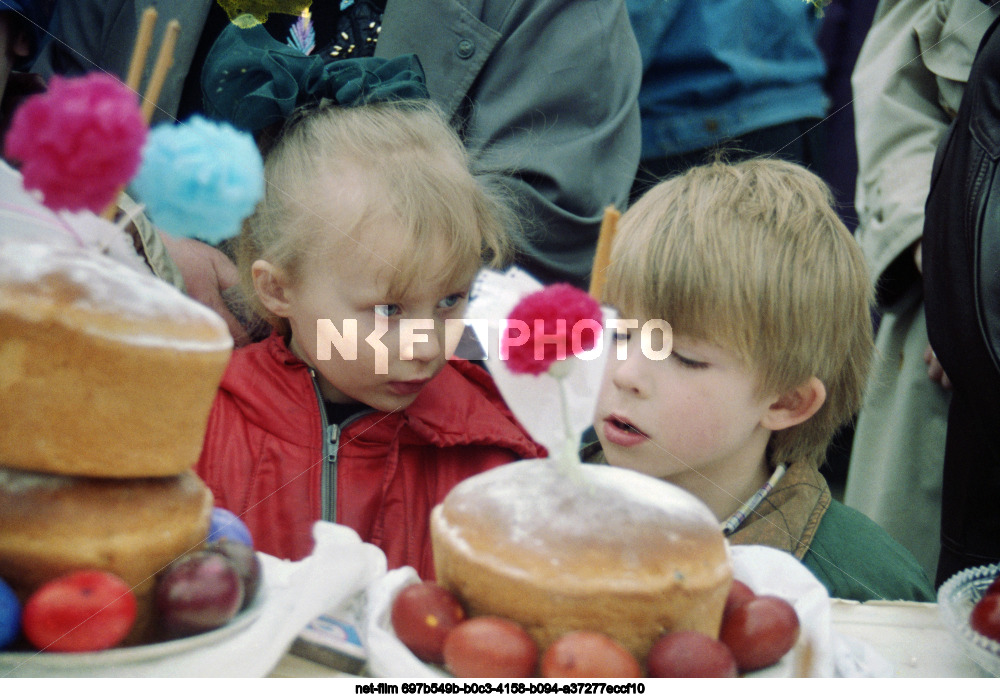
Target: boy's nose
(626, 375)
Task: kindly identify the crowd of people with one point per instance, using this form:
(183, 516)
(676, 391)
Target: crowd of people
(774, 200)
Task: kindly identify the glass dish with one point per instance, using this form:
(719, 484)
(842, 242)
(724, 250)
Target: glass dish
(956, 597)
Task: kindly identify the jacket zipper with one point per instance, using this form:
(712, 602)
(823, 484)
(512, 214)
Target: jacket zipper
(331, 439)
(331, 446)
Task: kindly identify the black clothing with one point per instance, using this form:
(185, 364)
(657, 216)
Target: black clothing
(961, 264)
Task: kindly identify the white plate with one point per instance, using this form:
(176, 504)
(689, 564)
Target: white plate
(54, 664)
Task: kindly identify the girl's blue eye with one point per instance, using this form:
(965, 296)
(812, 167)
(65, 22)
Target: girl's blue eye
(387, 310)
(451, 301)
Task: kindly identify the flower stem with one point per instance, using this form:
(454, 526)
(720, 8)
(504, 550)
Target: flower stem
(569, 458)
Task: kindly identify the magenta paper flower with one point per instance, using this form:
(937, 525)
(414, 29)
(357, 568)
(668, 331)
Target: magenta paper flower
(549, 325)
(78, 143)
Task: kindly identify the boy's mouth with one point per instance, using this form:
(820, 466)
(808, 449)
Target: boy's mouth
(622, 432)
(625, 425)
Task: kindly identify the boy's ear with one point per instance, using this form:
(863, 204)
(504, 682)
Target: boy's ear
(795, 406)
(271, 286)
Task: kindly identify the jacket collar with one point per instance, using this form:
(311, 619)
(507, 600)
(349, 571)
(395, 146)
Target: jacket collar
(787, 518)
(462, 406)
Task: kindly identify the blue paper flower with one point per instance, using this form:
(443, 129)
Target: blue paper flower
(200, 179)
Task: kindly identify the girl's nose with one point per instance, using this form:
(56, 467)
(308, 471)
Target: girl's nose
(421, 342)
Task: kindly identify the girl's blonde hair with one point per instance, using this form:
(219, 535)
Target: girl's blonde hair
(343, 169)
(752, 257)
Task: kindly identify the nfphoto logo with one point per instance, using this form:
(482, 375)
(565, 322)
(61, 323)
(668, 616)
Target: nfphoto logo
(655, 338)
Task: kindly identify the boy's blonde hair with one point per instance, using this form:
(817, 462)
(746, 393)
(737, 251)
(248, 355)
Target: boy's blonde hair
(344, 169)
(752, 257)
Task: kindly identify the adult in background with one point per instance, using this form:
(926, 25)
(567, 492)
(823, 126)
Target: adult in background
(22, 27)
(543, 91)
(908, 84)
(742, 75)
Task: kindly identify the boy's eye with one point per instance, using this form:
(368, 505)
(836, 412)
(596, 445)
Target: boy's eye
(690, 363)
(387, 310)
(452, 300)
(619, 335)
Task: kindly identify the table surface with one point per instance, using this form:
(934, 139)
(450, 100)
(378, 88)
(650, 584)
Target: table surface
(910, 636)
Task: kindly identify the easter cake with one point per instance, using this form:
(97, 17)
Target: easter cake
(598, 548)
(104, 371)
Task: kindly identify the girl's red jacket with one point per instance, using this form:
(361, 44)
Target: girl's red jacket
(266, 456)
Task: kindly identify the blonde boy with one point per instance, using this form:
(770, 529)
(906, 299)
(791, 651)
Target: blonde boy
(769, 303)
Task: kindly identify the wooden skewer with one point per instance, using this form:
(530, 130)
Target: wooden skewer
(164, 60)
(143, 40)
(602, 257)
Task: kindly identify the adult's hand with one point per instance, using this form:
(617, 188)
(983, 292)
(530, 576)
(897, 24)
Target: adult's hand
(934, 368)
(207, 272)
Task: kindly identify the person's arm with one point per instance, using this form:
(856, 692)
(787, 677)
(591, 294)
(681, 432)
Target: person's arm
(207, 273)
(907, 82)
(898, 124)
(546, 97)
(558, 101)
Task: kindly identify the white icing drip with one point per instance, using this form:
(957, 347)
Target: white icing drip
(24, 216)
(609, 491)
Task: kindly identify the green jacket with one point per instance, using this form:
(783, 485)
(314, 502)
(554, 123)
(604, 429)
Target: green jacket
(856, 559)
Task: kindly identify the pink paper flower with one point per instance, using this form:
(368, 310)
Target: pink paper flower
(549, 325)
(79, 142)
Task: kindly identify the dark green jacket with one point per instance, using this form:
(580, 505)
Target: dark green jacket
(856, 559)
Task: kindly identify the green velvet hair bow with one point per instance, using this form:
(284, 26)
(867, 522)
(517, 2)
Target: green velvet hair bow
(253, 81)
